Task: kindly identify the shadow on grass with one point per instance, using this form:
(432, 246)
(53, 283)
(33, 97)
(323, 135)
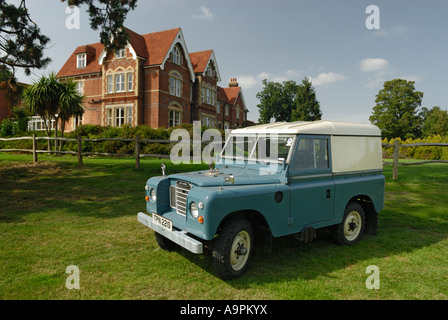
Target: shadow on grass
(102, 188)
(414, 216)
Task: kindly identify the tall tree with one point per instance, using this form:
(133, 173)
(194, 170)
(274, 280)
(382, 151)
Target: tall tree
(395, 112)
(276, 101)
(435, 122)
(307, 106)
(22, 43)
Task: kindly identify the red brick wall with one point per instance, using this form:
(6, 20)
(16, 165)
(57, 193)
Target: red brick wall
(4, 105)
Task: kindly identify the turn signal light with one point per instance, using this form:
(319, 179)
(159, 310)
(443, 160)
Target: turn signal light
(147, 198)
(201, 219)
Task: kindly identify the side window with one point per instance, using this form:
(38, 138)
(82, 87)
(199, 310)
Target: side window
(311, 154)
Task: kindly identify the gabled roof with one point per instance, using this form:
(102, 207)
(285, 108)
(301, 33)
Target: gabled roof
(230, 96)
(158, 45)
(154, 48)
(200, 61)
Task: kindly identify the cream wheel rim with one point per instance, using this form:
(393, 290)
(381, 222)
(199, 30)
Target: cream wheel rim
(352, 225)
(239, 253)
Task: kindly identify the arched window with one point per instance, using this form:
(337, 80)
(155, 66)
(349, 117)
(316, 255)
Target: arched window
(176, 56)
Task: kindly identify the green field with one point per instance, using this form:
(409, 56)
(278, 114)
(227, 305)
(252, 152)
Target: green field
(55, 214)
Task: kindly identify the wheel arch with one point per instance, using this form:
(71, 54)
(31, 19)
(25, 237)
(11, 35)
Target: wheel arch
(371, 214)
(257, 220)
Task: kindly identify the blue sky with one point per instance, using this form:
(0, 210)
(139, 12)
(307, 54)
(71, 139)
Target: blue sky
(325, 40)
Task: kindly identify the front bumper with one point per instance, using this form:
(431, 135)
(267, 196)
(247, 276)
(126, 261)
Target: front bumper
(179, 237)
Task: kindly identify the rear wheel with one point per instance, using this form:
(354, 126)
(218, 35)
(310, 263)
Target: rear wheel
(233, 248)
(350, 230)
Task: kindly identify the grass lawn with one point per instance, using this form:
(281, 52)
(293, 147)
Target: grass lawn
(54, 215)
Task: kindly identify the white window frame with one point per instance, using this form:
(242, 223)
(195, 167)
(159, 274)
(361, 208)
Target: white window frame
(80, 87)
(130, 81)
(120, 82)
(110, 84)
(174, 117)
(175, 86)
(120, 54)
(117, 116)
(238, 111)
(77, 121)
(129, 115)
(81, 61)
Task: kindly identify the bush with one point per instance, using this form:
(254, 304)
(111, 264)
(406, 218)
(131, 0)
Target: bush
(419, 152)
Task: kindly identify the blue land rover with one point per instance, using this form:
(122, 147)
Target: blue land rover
(272, 180)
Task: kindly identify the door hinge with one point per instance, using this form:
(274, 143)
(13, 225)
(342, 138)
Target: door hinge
(290, 221)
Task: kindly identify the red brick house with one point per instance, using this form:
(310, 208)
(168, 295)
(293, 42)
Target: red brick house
(154, 81)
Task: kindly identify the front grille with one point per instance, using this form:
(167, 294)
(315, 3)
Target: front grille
(178, 196)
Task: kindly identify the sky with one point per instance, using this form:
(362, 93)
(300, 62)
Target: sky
(346, 49)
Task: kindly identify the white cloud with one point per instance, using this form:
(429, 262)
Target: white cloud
(249, 81)
(327, 78)
(377, 64)
(204, 14)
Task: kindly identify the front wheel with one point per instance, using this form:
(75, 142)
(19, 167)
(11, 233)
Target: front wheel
(233, 249)
(350, 230)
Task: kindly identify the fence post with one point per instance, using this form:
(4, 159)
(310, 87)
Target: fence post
(137, 152)
(79, 151)
(34, 149)
(396, 156)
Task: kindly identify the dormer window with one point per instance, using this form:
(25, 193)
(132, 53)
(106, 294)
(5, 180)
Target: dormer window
(176, 56)
(81, 60)
(120, 54)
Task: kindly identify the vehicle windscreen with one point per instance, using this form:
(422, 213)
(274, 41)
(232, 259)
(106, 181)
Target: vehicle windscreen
(266, 148)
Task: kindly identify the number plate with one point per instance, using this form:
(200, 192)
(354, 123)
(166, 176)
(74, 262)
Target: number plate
(163, 222)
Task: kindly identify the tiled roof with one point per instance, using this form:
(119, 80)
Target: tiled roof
(70, 67)
(231, 94)
(153, 47)
(199, 60)
(158, 44)
(228, 95)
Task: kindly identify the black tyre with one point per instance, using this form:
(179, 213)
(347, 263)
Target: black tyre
(350, 230)
(233, 249)
(165, 243)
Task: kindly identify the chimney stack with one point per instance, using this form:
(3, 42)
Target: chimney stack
(233, 83)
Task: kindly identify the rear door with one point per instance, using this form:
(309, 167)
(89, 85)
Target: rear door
(311, 182)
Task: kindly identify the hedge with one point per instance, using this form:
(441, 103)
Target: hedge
(420, 152)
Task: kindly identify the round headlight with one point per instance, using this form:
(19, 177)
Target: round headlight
(194, 210)
(153, 195)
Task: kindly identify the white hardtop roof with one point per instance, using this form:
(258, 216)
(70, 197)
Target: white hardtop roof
(323, 127)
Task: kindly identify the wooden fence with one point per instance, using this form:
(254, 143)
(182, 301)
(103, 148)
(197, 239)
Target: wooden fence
(396, 153)
(80, 153)
(139, 155)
